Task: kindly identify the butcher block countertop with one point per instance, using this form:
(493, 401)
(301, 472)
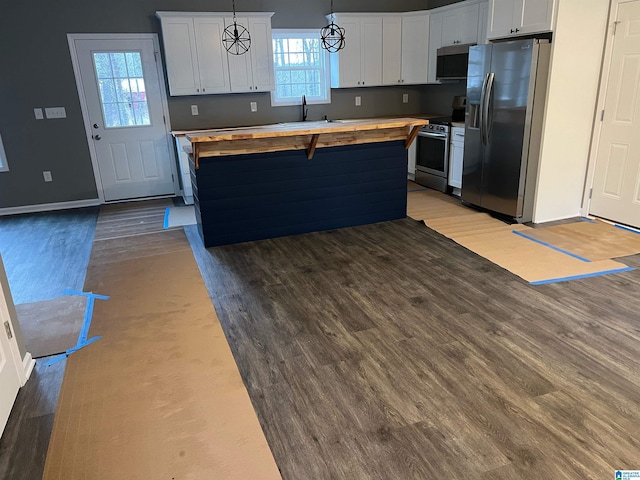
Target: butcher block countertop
(300, 136)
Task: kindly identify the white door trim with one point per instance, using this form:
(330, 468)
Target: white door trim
(597, 125)
(71, 38)
(23, 366)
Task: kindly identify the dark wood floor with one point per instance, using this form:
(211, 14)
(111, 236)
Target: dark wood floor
(389, 352)
(44, 254)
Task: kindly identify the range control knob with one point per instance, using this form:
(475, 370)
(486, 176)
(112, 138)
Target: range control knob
(441, 129)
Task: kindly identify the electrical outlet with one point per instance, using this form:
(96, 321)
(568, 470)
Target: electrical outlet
(194, 110)
(55, 112)
(47, 176)
(38, 113)
(358, 101)
(254, 106)
(405, 98)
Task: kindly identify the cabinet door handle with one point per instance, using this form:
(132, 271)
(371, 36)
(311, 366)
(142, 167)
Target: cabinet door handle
(517, 30)
(197, 89)
(511, 31)
(256, 87)
(203, 90)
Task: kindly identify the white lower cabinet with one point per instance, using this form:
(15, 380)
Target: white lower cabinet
(456, 155)
(183, 159)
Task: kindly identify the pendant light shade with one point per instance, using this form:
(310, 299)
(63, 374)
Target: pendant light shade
(332, 35)
(235, 38)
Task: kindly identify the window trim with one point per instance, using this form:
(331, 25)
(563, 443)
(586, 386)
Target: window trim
(4, 163)
(304, 32)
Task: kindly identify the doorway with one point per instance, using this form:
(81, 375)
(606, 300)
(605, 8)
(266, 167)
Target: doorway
(124, 105)
(615, 193)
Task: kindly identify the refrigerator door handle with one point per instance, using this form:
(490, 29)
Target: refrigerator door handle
(483, 101)
(488, 110)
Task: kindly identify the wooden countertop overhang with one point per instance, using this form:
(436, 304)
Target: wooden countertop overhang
(301, 136)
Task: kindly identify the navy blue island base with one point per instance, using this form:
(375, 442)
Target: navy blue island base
(240, 198)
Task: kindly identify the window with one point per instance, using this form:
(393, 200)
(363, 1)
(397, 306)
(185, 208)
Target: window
(4, 166)
(301, 68)
(122, 91)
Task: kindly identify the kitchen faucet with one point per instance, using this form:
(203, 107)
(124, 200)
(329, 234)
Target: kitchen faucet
(305, 110)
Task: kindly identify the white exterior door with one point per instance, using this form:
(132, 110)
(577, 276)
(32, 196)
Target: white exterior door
(9, 380)
(616, 185)
(124, 102)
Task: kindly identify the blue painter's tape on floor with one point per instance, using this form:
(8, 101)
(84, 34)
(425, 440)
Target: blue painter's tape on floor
(585, 219)
(557, 249)
(64, 355)
(166, 218)
(628, 229)
(586, 275)
(83, 337)
(87, 294)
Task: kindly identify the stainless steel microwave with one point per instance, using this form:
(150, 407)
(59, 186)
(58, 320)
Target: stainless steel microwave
(452, 62)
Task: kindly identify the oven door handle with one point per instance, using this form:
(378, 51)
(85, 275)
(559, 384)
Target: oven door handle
(433, 135)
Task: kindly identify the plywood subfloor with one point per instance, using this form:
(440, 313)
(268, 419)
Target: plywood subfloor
(495, 240)
(595, 240)
(51, 326)
(159, 396)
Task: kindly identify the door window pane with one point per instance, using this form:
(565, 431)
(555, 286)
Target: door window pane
(122, 90)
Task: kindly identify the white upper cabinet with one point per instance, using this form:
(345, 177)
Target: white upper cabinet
(435, 42)
(391, 50)
(415, 48)
(359, 63)
(181, 54)
(198, 64)
(262, 53)
(457, 24)
(460, 25)
(483, 20)
(253, 71)
(212, 57)
(520, 17)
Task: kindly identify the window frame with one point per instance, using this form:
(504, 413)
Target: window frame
(326, 73)
(4, 163)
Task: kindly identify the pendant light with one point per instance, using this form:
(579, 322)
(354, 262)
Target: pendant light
(332, 35)
(235, 38)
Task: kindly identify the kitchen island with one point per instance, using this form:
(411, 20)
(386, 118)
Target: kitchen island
(254, 183)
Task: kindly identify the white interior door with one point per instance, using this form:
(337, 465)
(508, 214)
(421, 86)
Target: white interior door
(9, 379)
(123, 94)
(616, 184)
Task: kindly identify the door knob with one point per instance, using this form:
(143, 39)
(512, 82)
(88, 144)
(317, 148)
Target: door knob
(95, 125)
(97, 137)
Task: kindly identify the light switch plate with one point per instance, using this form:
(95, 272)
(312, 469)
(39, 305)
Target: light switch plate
(358, 101)
(194, 110)
(405, 98)
(38, 113)
(254, 106)
(47, 176)
(55, 112)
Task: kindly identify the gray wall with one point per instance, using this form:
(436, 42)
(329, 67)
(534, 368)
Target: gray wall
(36, 71)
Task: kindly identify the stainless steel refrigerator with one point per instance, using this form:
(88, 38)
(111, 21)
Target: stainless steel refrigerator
(506, 92)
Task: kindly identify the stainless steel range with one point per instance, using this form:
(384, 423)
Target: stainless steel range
(432, 154)
(432, 150)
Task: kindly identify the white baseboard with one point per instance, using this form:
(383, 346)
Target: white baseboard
(28, 365)
(47, 207)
